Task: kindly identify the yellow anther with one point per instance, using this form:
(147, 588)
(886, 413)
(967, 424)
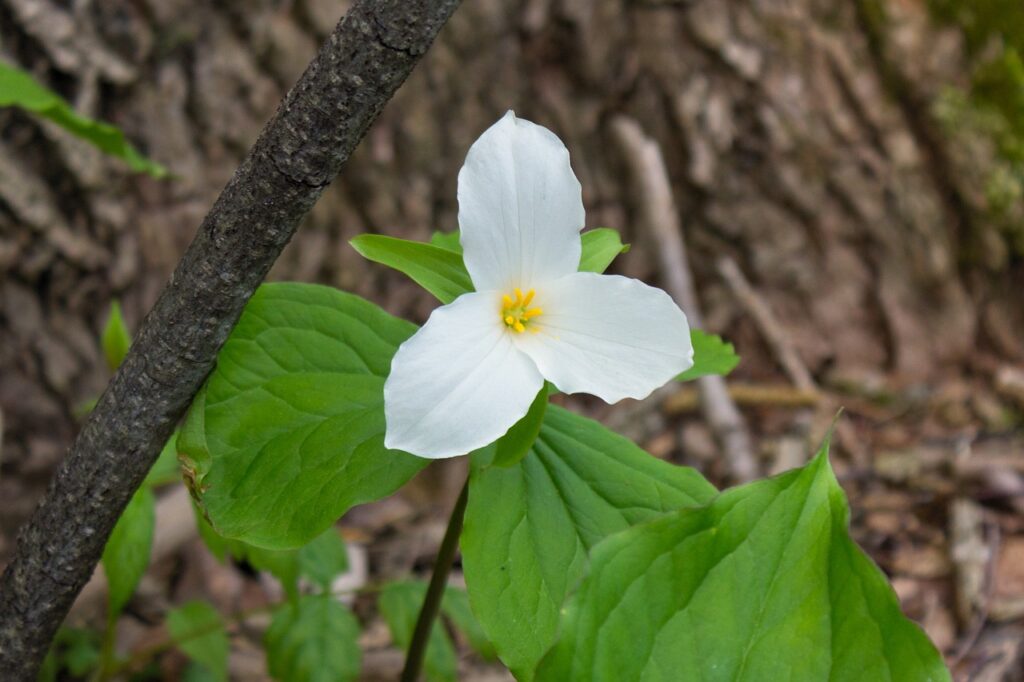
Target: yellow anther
(516, 313)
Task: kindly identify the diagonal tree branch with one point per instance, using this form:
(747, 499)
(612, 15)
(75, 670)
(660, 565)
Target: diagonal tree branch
(369, 54)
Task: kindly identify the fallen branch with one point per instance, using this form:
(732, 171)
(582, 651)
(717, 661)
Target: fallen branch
(659, 215)
(686, 399)
(369, 54)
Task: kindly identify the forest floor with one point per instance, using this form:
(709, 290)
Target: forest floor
(933, 475)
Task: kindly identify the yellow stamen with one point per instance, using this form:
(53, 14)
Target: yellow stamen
(516, 313)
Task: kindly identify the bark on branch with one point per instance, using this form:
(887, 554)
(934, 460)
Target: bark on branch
(369, 54)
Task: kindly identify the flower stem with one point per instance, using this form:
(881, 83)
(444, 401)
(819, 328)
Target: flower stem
(435, 592)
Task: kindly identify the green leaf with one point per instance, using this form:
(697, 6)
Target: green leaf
(512, 446)
(76, 650)
(115, 339)
(165, 468)
(288, 433)
(314, 639)
(436, 269)
(198, 630)
(49, 668)
(399, 604)
(323, 559)
(195, 672)
(447, 240)
(529, 527)
(764, 583)
(126, 554)
(455, 606)
(280, 563)
(18, 88)
(711, 355)
(600, 247)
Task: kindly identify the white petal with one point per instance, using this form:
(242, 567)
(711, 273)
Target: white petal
(459, 383)
(607, 335)
(520, 207)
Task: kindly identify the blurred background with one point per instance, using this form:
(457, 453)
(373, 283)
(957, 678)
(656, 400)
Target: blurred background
(846, 177)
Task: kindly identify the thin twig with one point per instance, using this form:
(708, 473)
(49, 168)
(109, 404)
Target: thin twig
(686, 399)
(369, 54)
(793, 449)
(435, 592)
(755, 306)
(659, 214)
(984, 598)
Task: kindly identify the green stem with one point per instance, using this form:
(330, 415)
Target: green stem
(107, 654)
(435, 592)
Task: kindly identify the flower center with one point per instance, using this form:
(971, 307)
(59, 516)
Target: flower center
(516, 312)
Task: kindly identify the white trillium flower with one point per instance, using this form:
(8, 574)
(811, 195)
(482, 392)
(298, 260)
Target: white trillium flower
(472, 371)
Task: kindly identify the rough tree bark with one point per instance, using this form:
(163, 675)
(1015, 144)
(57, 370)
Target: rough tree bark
(370, 53)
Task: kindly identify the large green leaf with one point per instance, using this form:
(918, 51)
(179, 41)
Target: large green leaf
(198, 630)
(711, 355)
(314, 639)
(762, 584)
(18, 88)
(126, 553)
(528, 527)
(399, 604)
(438, 270)
(288, 432)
